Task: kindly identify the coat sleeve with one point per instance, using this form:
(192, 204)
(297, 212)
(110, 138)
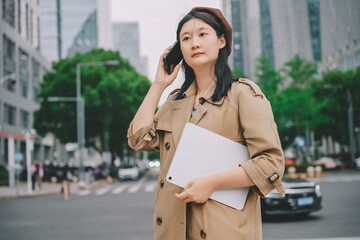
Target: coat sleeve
(148, 138)
(266, 164)
(144, 139)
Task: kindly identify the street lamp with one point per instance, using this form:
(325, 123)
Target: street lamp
(81, 110)
(350, 122)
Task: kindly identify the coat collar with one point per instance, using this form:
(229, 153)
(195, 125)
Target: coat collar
(209, 92)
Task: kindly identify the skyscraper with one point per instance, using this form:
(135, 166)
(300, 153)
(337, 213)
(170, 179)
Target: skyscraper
(87, 37)
(126, 41)
(73, 16)
(280, 29)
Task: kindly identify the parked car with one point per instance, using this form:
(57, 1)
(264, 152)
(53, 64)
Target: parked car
(128, 172)
(301, 198)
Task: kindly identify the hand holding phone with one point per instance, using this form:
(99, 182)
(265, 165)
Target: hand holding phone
(173, 57)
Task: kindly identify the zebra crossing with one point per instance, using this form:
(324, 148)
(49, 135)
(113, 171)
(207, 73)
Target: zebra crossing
(146, 185)
(120, 188)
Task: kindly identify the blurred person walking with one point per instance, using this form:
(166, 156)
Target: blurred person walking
(212, 98)
(66, 180)
(39, 174)
(33, 175)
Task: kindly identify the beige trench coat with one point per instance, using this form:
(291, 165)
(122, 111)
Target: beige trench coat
(244, 116)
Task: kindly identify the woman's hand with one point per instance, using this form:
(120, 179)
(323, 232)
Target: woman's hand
(197, 190)
(162, 78)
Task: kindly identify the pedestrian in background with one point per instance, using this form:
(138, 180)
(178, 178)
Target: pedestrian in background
(212, 98)
(33, 176)
(66, 180)
(39, 174)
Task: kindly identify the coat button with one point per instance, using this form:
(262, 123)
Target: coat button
(167, 145)
(162, 183)
(202, 234)
(159, 221)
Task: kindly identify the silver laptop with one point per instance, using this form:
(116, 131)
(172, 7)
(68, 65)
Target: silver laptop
(201, 152)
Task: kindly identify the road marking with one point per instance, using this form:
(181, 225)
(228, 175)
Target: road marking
(103, 190)
(83, 193)
(150, 186)
(138, 185)
(120, 189)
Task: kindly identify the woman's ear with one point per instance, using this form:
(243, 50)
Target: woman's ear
(222, 42)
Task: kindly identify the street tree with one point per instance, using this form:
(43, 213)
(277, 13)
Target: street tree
(331, 94)
(112, 94)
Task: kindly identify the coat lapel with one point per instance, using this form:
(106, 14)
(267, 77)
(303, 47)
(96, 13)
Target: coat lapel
(181, 112)
(181, 109)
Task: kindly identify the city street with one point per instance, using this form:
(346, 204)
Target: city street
(124, 211)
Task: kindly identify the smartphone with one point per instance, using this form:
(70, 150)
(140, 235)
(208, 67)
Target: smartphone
(173, 57)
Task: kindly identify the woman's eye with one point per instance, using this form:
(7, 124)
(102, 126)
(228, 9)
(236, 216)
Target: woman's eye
(202, 34)
(186, 38)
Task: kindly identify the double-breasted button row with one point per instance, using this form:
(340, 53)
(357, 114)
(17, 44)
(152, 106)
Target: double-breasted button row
(167, 145)
(202, 234)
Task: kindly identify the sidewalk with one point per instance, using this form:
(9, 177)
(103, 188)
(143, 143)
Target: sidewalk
(20, 191)
(48, 189)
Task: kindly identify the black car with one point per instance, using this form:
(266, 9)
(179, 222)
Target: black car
(301, 198)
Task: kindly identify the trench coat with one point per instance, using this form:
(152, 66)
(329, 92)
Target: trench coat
(244, 115)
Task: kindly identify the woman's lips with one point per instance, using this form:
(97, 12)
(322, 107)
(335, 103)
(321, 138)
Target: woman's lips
(197, 54)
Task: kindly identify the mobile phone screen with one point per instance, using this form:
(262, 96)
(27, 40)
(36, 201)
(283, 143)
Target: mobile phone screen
(173, 57)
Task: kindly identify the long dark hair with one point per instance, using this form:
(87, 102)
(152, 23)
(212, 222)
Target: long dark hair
(222, 70)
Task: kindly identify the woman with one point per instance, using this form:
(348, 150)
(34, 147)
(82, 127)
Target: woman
(213, 99)
(66, 180)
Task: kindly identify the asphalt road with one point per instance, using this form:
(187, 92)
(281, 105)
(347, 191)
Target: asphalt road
(123, 211)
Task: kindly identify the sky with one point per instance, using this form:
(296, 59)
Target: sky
(158, 21)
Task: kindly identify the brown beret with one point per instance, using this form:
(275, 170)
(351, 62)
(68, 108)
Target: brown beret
(219, 17)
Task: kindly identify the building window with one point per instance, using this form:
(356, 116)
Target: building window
(31, 23)
(343, 65)
(27, 21)
(19, 15)
(9, 60)
(9, 114)
(357, 58)
(8, 11)
(24, 119)
(36, 79)
(24, 72)
(349, 62)
(38, 33)
(314, 20)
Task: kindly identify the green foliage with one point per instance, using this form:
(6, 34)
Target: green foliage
(299, 72)
(332, 97)
(268, 79)
(112, 94)
(238, 73)
(301, 103)
(154, 155)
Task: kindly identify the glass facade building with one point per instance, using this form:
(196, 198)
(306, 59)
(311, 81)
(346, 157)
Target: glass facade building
(238, 55)
(87, 38)
(267, 47)
(314, 19)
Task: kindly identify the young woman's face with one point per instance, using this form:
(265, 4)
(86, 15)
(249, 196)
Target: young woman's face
(199, 44)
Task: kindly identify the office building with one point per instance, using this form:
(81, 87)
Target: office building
(20, 48)
(87, 38)
(280, 29)
(126, 41)
(75, 20)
